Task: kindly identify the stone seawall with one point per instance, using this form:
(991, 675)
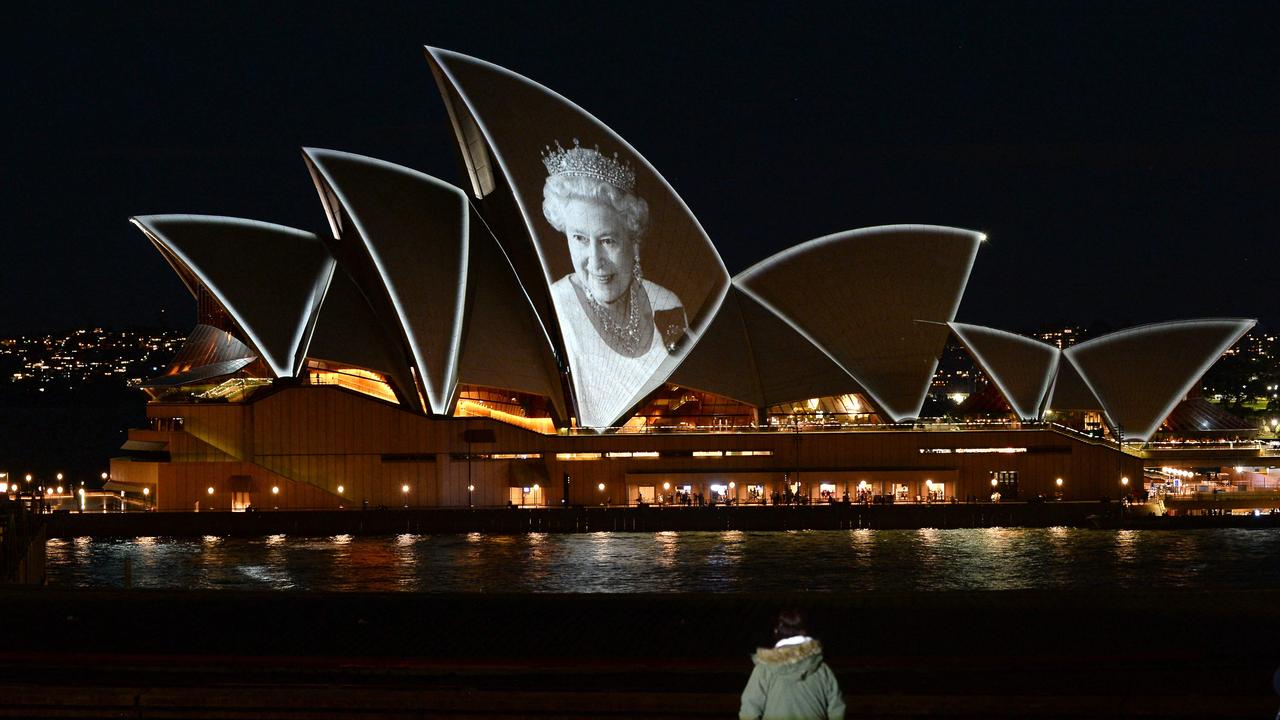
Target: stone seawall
(581, 519)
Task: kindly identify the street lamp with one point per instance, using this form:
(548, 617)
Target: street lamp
(404, 490)
(470, 489)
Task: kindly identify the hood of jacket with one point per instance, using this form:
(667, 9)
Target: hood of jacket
(800, 659)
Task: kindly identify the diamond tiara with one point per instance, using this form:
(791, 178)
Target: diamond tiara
(585, 162)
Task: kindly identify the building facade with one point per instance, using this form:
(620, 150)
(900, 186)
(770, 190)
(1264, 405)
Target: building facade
(563, 332)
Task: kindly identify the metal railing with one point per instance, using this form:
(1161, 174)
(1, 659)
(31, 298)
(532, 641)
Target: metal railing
(809, 426)
(1211, 445)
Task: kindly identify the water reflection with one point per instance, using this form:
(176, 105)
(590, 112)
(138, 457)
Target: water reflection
(728, 561)
(668, 544)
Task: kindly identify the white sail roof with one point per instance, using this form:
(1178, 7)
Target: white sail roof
(349, 333)
(512, 134)
(1069, 390)
(753, 356)
(1022, 368)
(270, 278)
(1141, 374)
(437, 275)
(876, 301)
(415, 230)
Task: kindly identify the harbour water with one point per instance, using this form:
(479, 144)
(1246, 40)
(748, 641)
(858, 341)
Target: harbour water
(729, 561)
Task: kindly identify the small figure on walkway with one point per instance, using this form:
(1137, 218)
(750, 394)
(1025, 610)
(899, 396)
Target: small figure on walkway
(790, 679)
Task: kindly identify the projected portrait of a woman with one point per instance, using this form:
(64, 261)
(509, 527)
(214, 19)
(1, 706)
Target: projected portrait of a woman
(618, 326)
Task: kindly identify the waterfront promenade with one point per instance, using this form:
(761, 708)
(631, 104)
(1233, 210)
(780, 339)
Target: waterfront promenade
(582, 519)
(177, 654)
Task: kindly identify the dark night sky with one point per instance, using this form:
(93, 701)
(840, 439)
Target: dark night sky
(1123, 158)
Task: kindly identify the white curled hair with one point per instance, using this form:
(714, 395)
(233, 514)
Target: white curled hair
(560, 190)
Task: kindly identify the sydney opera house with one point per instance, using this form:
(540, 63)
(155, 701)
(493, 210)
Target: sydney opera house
(559, 329)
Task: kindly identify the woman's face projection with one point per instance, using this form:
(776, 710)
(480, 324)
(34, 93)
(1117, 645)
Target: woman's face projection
(588, 212)
(602, 251)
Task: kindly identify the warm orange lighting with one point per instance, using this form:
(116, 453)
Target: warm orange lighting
(104, 476)
(146, 491)
(601, 487)
(578, 456)
(471, 408)
(340, 489)
(1124, 481)
(404, 489)
(993, 482)
(211, 490)
(361, 381)
(666, 486)
(1058, 482)
(275, 490)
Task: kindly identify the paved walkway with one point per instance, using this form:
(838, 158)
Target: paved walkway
(164, 654)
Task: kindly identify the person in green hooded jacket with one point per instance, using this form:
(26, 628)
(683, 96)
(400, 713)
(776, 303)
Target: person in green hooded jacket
(790, 681)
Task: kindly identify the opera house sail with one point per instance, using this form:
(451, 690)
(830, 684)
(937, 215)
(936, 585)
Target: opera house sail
(633, 279)
(560, 330)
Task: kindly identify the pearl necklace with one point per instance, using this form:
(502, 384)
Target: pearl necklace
(627, 335)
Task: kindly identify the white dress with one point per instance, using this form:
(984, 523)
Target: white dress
(606, 382)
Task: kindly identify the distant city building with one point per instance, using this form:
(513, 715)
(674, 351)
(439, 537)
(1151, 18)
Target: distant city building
(1062, 337)
(87, 356)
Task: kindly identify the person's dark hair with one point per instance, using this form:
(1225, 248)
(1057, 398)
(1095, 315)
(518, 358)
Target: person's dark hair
(791, 622)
